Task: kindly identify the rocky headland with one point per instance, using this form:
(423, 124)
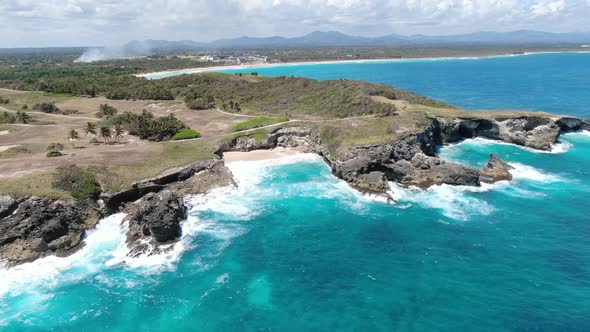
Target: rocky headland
(34, 227)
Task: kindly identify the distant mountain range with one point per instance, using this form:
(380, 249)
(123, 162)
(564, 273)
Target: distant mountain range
(338, 39)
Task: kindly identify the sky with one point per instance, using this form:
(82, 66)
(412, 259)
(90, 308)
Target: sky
(45, 23)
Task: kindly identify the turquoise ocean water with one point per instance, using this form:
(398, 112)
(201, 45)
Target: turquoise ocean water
(295, 249)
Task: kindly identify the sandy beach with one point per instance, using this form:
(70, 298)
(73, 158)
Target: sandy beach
(257, 155)
(285, 64)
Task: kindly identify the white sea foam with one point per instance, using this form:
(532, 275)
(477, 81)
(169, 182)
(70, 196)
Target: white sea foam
(557, 148)
(453, 201)
(525, 172)
(584, 134)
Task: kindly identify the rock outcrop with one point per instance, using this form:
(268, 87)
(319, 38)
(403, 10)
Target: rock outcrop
(496, 170)
(191, 179)
(572, 124)
(43, 226)
(535, 131)
(156, 220)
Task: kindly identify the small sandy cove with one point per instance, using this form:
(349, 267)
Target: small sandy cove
(256, 155)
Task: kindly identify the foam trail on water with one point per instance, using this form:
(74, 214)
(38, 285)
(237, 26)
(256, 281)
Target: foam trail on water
(525, 172)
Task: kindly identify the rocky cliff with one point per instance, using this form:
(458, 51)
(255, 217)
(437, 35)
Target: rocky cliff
(412, 160)
(34, 227)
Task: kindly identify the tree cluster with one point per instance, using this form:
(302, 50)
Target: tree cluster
(46, 108)
(146, 126)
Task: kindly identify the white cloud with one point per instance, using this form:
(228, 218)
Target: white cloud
(548, 7)
(75, 22)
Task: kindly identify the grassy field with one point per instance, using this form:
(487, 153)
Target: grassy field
(18, 100)
(257, 123)
(36, 184)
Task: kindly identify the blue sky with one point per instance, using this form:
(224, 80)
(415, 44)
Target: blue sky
(42, 23)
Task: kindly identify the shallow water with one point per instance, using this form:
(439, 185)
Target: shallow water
(296, 249)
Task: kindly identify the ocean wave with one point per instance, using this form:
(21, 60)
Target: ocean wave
(454, 202)
(461, 202)
(525, 172)
(556, 148)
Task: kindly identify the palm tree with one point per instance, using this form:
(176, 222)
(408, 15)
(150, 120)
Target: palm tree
(105, 132)
(90, 129)
(118, 132)
(106, 111)
(73, 136)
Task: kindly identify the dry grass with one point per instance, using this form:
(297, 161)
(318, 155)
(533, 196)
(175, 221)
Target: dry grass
(37, 184)
(174, 154)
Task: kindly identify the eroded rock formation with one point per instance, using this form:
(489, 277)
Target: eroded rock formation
(41, 226)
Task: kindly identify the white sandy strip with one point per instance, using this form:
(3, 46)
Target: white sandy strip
(285, 64)
(256, 155)
(4, 132)
(6, 147)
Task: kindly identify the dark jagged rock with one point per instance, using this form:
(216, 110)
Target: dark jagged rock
(114, 201)
(158, 215)
(496, 170)
(155, 221)
(7, 206)
(43, 226)
(572, 124)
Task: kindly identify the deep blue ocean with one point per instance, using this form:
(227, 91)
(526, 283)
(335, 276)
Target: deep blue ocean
(295, 249)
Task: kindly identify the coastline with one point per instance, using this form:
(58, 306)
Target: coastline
(198, 70)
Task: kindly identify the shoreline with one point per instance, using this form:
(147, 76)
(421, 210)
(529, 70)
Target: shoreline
(198, 70)
(258, 155)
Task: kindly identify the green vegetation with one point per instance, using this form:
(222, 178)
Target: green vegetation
(46, 108)
(106, 134)
(186, 134)
(18, 117)
(6, 117)
(54, 150)
(90, 129)
(79, 182)
(35, 184)
(4, 101)
(260, 136)
(278, 96)
(73, 136)
(146, 126)
(257, 122)
(14, 152)
(106, 111)
(53, 154)
(196, 101)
